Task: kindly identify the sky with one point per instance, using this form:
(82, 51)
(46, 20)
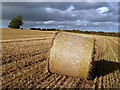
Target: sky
(88, 16)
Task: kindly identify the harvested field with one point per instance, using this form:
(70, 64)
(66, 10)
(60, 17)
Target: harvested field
(25, 62)
(25, 34)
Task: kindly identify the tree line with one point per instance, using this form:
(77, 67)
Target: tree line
(115, 34)
(45, 29)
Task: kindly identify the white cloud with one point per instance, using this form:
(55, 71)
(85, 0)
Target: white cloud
(48, 9)
(102, 10)
(70, 8)
(49, 22)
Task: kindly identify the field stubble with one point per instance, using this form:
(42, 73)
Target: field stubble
(25, 62)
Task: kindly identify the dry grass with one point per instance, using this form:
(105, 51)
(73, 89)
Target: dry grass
(22, 34)
(107, 63)
(24, 62)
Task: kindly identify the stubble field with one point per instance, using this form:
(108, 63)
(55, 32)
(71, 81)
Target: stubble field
(25, 62)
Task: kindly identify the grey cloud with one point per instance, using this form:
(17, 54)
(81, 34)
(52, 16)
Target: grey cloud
(35, 14)
(42, 14)
(57, 5)
(60, 15)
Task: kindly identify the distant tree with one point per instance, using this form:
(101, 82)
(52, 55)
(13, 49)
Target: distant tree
(16, 22)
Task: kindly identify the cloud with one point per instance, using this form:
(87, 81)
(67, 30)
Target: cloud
(102, 10)
(71, 15)
(60, 1)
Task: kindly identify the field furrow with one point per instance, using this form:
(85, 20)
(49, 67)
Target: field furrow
(109, 64)
(25, 62)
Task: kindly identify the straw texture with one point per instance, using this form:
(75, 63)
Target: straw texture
(71, 55)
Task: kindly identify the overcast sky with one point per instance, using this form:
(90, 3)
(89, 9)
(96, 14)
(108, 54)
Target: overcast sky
(97, 16)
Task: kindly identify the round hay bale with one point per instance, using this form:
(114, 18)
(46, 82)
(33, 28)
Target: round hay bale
(71, 54)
